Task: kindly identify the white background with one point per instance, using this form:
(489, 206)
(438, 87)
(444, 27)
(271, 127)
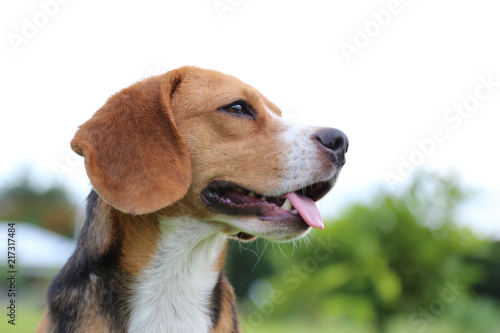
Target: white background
(61, 61)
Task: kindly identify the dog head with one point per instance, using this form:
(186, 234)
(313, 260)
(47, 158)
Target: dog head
(199, 143)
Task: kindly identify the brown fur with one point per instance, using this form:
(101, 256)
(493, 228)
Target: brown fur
(134, 154)
(44, 324)
(228, 317)
(139, 241)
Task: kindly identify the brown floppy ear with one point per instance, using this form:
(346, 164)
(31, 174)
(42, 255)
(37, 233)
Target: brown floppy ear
(135, 157)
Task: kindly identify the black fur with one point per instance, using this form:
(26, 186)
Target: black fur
(216, 300)
(236, 320)
(90, 279)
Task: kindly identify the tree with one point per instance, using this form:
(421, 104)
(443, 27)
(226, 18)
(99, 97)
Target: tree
(49, 208)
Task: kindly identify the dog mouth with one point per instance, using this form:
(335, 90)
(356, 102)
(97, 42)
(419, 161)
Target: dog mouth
(293, 207)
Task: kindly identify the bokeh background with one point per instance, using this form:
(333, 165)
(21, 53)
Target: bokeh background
(412, 227)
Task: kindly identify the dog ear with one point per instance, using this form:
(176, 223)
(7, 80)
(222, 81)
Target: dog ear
(135, 156)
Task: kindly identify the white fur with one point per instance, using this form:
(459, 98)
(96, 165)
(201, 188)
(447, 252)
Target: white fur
(173, 293)
(273, 115)
(302, 155)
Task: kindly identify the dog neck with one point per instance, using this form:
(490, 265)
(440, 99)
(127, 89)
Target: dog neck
(175, 291)
(143, 274)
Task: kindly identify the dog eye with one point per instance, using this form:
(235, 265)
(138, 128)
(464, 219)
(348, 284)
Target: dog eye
(237, 108)
(240, 108)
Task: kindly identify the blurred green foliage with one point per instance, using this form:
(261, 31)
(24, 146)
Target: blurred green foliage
(399, 261)
(50, 208)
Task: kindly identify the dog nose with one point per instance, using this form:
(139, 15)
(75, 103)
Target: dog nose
(335, 141)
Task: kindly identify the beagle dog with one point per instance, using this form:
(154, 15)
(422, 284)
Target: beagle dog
(178, 163)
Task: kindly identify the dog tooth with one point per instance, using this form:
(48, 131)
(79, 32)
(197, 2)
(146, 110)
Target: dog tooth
(264, 198)
(239, 190)
(294, 211)
(287, 205)
(251, 195)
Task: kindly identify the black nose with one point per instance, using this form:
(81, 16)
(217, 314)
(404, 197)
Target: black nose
(336, 141)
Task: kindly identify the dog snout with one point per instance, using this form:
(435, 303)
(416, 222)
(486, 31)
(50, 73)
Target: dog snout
(336, 142)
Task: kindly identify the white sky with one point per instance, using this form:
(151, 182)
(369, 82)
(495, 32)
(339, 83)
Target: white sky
(410, 69)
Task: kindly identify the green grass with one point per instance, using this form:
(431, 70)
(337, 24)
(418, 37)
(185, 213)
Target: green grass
(299, 324)
(482, 319)
(27, 318)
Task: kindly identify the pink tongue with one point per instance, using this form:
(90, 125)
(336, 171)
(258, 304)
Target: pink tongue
(307, 209)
